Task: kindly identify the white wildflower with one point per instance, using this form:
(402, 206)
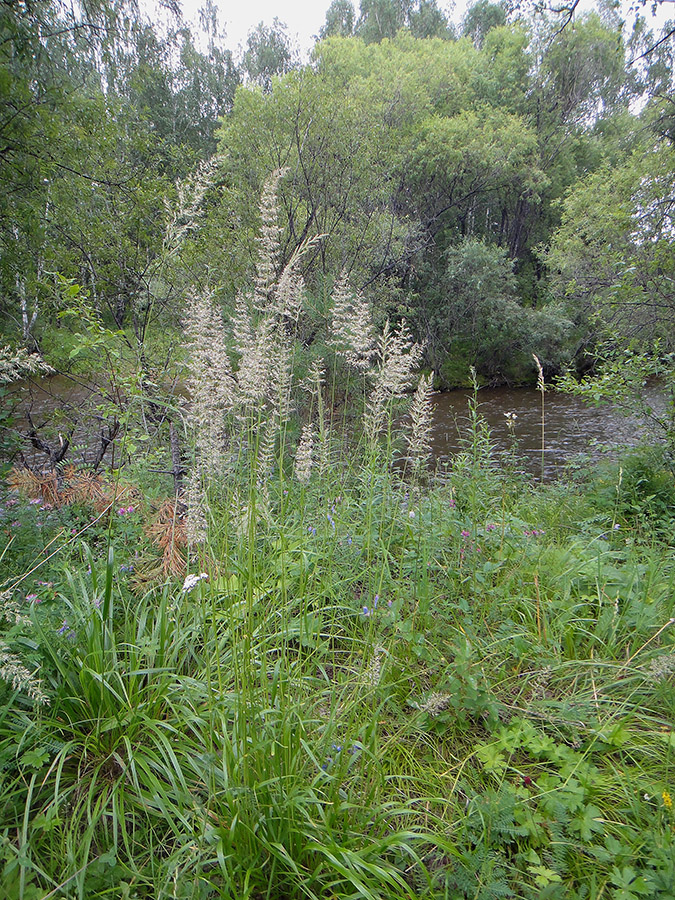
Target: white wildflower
(191, 581)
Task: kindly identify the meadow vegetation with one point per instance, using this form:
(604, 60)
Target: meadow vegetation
(324, 670)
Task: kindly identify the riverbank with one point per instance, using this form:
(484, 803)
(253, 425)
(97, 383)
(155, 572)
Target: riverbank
(361, 685)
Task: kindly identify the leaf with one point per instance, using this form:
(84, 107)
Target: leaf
(588, 822)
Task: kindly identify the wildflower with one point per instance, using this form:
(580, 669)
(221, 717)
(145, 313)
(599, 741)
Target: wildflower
(366, 611)
(31, 597)
(466, 534)
(311, 530)
(191, 581)
(375, 601)
(16, 524)
(330, 521)
(121, 511)
(667, 800)
(491, 527)
(411, 514)
(510, 420)
(34, 501)
(63, 628)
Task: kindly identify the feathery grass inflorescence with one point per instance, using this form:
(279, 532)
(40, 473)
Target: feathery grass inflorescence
(398, 358)
(303, 455)
(421, 415)
(15, 673)
(351, 331)
(19, 363)
(268, 242)
(209, 381)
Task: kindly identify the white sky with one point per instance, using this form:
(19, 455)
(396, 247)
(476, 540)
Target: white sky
(304, 18)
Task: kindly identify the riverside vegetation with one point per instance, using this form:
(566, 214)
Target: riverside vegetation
(323, 671)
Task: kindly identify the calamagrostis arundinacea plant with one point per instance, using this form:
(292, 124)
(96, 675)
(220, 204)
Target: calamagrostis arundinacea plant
(421, 413)
(13, 671)
(351, 331)
(209, 381)
(303, 456)
(196, 528)
(398, 356)
(254, 346)
(188, 209)
(11, 610)
(15, 364)
(268, 241)
(290, 288)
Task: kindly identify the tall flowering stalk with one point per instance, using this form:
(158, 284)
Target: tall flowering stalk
(421, 414)
(541, 387)
(398, 358)
(268, 241)
(351, 330)
(303, 456)
(209, 381)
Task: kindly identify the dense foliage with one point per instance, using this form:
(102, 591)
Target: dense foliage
(251, 645)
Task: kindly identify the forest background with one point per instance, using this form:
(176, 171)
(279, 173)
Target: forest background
(506, 186)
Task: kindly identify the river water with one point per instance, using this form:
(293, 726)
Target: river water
(571, 427)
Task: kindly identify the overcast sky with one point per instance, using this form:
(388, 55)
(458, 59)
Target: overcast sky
(304, 18)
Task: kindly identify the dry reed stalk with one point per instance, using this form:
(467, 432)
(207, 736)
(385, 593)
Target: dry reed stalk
(37, 486)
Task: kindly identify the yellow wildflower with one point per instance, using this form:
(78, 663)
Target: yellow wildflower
(667, 800)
